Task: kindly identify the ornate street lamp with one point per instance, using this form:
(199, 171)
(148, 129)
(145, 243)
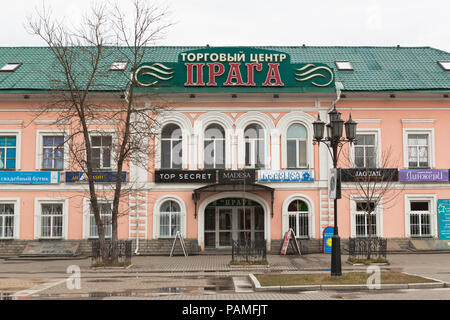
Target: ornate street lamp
(333, 142)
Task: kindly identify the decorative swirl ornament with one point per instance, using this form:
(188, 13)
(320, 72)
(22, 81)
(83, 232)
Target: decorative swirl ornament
(156, 70)
(308, 73)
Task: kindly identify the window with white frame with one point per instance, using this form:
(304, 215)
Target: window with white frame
(169, 219)
(171, 147)
(254, 146)
(365, 222)
(214, 147)
(364, 151)
(101, 151)
(7, 220)
(105, 217)
(298, 212)
(418, 150)
(296, 146)
(420, 218)
(8, 152)
(53, 152)
(52, 220)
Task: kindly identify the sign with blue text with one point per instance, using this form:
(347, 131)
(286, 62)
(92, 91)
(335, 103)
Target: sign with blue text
(29, 177)
(444, 218)
(285, 175)
(327, 239)
(82, 177)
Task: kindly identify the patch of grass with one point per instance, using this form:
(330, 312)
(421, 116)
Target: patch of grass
(368, 261)
(248, 263)
(123, 264)
(346, 278)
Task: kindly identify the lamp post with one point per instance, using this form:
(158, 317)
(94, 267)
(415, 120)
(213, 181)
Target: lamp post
(334, 142)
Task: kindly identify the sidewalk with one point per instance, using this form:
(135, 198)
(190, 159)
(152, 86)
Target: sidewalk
(425, 264)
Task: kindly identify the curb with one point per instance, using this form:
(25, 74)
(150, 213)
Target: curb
(356, 287)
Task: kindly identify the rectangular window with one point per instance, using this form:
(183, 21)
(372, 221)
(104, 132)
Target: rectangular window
(8, 152)
(6, 220)
(365, 151)
(106, 218)
(362, 223)
(53, 152)
(418, 151)
(101, 152)
(169, 224)
(51, 220)
(420, 219)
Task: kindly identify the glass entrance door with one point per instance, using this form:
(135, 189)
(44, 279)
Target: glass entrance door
(225, 227)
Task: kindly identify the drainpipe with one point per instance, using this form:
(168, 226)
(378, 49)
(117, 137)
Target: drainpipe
(136, 252)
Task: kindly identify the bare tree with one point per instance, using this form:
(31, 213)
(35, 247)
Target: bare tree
(372, 182)
(93, 93)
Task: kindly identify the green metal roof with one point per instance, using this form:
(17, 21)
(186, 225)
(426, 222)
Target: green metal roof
(375, 68)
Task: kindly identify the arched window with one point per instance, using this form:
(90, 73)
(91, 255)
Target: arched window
(171, 147)
(296, 146)
(254, 146)
(298, 218)
(169, 219)
(214, 144)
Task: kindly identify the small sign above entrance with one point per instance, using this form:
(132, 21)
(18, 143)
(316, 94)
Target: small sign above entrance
(185, 176)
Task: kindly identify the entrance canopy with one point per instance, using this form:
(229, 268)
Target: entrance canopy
(251, 187)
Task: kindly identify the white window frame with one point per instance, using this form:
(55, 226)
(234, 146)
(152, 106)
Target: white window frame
(87, 217)
(16, 203)
(114, 140)
(157, 214)
(171, 146)
(253, 147)
(432, 199)
(431, 147)
(283, 125)
(311, 216)
(38, 216)
(367, 131)
(40, 147)
(200, 125)
(18, 135)
(224, 140)
(188, 139)
(378, 212)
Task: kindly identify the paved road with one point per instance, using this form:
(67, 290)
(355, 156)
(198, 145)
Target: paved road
(200, 278)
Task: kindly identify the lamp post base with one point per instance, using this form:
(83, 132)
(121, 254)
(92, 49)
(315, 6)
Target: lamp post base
(336, 269)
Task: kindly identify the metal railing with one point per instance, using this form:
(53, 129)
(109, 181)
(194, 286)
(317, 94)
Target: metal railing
(360, 247)
(123, 250)
(249, 251)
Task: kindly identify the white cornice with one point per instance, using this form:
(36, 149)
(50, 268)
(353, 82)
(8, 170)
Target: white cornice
(418, 120)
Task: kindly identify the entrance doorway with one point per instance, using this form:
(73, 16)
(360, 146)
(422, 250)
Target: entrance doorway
(232, 219)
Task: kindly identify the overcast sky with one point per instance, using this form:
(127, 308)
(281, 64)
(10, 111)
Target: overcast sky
(276, 22)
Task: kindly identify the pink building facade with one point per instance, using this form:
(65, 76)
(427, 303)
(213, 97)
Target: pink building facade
(234, 158)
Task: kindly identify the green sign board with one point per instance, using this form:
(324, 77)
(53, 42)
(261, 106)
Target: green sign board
(235, 69)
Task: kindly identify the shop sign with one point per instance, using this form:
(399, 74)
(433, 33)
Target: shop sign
(285, 175)
(424, 175)
(368, 174)
(29, 177)
(82, 177)
(237, 176)
(185, 176)
(327, 239)
(241, 67)
(444, 218)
